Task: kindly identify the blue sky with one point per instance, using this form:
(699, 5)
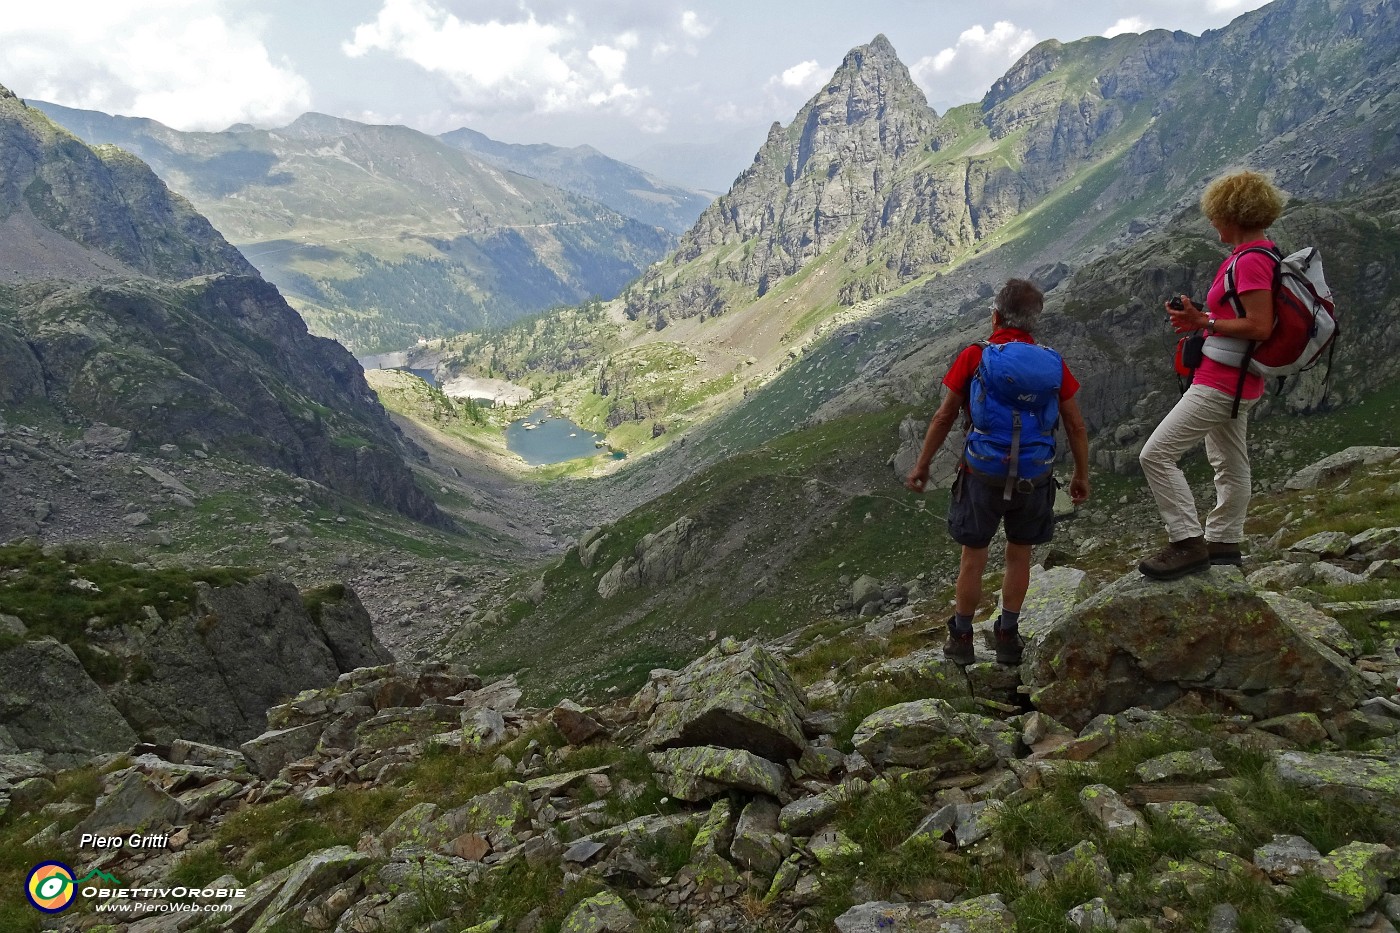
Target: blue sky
(686, 89)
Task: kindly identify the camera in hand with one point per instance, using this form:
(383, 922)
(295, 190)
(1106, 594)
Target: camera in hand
(1176, 305)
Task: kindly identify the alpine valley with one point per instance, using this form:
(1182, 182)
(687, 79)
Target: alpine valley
(363, 664)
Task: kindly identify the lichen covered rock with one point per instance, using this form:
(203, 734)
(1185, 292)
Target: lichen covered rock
(1141, 642)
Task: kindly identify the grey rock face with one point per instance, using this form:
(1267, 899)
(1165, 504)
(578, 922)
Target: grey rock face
(50, 705)
(1144, 643)
(215, 673)
(21, 376)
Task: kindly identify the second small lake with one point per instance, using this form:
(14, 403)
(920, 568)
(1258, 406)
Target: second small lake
(541, 438)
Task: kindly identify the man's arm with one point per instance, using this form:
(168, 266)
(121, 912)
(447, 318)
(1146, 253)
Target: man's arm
(1078, 448)
(938, 428)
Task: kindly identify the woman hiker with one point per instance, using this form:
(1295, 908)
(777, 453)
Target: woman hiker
(1240, 207)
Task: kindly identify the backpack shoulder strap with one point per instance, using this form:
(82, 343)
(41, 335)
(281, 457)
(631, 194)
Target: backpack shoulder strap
(1232, 293)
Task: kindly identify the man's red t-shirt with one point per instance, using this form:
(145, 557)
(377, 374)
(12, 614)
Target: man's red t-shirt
(960, 374)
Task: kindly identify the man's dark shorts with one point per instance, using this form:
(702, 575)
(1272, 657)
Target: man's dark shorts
(978, 506)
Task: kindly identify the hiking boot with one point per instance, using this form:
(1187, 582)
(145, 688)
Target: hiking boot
(1009, 646)
(958, 647)
(1223, 553)
(1189, 555)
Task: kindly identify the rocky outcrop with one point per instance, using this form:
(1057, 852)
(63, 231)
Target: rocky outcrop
(212, 675)
(1141, 642)
(208, 676)
(657, 560)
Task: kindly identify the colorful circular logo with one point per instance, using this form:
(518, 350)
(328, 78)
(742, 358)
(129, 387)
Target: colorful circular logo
(50, 887)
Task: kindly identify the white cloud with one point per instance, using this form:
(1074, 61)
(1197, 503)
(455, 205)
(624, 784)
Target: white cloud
(804, 76)
(610, 61)
(963, 72)
(693, 27)
(1131, 24)
(545, 66)
(182, 62)
(1004, 42)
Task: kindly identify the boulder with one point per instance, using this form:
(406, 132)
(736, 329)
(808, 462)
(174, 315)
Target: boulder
(1369, 781)
(49, 705)
(734, 697)
(1324, 544)
(348, 632)
(926, 670)
(1140, 642)
(805, 815)
(136, 804)
(866, 589)
(1334, 467)
(985, 914)
(272, 751)
(1357, 873)
(708, 865)
(697, 774)
(1198, 765)
(1375, 544)
(312, 875)
(1205, 824)
(1284, 858)
(1314, 622)
(1110, 811)
(925, 734)
(601, 913)
(1050, 597)
(575, 723)
(588, 545)
(758, 845)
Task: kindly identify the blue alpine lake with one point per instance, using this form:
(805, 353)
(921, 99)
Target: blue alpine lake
(541, 438)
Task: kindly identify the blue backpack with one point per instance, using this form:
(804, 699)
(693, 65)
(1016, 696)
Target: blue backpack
(1014, 400)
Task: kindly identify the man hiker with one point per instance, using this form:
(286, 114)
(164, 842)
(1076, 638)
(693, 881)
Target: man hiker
(1014, 393)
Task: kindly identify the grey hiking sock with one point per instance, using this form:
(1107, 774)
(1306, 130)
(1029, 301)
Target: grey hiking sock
(1009, 620)
(961, 624)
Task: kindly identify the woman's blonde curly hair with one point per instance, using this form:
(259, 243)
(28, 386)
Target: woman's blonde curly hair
(1246, 199)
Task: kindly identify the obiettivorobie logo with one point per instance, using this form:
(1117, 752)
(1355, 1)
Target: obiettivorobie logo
(51, 886)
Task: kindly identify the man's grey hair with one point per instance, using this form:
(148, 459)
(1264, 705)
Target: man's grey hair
(1019, 303)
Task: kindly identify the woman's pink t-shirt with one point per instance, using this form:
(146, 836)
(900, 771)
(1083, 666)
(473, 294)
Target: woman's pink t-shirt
(1253, 272)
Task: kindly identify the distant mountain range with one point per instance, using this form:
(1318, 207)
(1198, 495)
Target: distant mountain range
(380, 235)
(120, 305)
(585, 171)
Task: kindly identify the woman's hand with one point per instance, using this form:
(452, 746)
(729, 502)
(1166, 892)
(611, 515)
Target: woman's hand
(1188, 317)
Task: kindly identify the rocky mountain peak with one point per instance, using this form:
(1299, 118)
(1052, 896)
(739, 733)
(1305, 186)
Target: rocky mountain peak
(812, 181)
(1029, 68)
(6, 93)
